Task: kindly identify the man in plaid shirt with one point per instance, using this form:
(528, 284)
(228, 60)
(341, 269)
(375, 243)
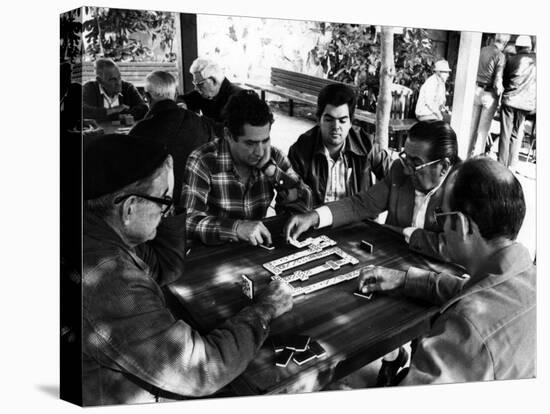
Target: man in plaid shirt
(230, 182)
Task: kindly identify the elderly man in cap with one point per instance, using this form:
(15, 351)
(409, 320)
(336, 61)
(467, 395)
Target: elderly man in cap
(431, 104)
(109, 96)
(134, 349)
(488, 90)
(486, 326)
(212, 91)
(518, 100)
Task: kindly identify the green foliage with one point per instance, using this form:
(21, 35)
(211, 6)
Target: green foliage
(353, 56)
(70, 30)
(108, 33)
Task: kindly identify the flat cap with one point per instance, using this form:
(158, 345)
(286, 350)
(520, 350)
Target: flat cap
(113, 161)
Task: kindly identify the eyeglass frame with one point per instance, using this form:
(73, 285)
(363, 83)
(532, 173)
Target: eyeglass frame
(403, 156)
(200, 83)
(438, 212)
(166, 200)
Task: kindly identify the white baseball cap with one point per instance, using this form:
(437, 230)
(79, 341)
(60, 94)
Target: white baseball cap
(442, 66)
(523, 41)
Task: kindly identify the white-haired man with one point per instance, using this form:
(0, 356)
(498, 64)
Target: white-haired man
(431, 104)
(212, 90)
(182, 131)
(108, 96)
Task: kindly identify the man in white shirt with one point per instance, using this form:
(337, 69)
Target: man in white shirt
(432, 97)
(109, 96)
(410, 192)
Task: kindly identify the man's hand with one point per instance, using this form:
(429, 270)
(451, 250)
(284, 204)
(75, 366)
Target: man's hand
(300, 223)
(117, 109)
(375, 278)
(277, 298)
(253, 232)
(265, 159)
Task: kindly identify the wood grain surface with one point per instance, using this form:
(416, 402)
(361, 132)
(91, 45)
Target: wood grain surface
(353, 330)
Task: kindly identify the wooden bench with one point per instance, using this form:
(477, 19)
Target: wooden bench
(304, 88)
(133, 72)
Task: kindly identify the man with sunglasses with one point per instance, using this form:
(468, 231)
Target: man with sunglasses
(410, 192)
(486, 327)
(133, 348)
(212, 91)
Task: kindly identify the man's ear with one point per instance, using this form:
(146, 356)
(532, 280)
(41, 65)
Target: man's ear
(445, 165)
(227, 134)
(128, 209)
(463, 226)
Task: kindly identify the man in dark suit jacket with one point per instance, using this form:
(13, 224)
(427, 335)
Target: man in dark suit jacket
(182, 131)
(108, 96)
(411, 192)
(212, 91)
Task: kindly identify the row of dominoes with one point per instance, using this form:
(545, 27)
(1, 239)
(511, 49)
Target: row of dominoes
(326, 283)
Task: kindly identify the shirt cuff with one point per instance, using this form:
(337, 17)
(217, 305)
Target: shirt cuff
(407, 232)
(325, 217)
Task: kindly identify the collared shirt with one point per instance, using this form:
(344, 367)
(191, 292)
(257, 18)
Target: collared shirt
(431, 98)
(109, 102)
(216, 200)
(421, 202)
(338, 176)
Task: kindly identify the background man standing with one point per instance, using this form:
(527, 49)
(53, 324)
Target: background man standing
(519, 98)
(432, 98)
(488, 90)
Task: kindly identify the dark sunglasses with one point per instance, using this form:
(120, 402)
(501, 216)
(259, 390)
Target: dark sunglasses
(165, 201)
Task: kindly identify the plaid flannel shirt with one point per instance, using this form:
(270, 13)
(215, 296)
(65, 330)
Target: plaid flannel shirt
(216, 200)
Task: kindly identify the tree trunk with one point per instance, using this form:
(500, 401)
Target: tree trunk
(387, 73)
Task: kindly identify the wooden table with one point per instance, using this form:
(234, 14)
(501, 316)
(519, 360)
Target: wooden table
(353, 330)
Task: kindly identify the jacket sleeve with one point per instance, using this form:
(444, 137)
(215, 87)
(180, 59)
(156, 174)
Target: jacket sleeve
(426, 242)
(436, 288)
(453, 352)
(366, 204)
(285, 180)
(132, 98)
(90, 108)
(201, 224)
(132, 331)
(165, 254)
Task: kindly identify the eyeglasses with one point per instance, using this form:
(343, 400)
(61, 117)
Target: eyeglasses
(407, 163)
(440, 214)
(199, 84)
(165, 201)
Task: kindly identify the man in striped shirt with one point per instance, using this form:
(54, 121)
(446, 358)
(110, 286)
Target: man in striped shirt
(230, 182)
